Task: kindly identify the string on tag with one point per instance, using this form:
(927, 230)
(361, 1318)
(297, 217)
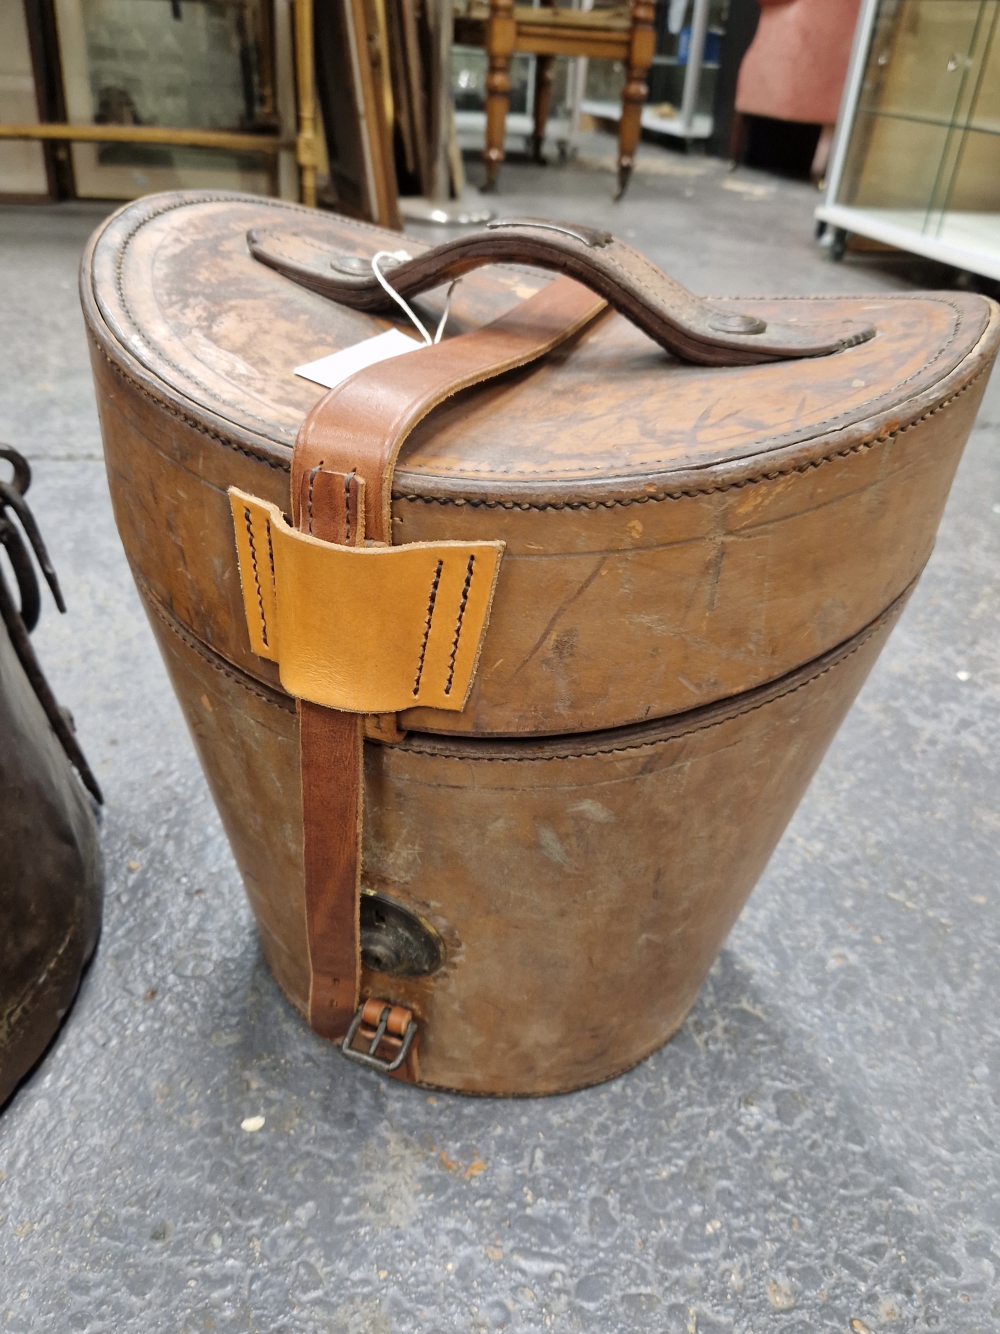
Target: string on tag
(401, 255)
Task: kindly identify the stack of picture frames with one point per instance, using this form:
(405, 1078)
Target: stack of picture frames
(383, 81)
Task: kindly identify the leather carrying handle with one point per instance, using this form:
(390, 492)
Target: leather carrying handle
(712, 334)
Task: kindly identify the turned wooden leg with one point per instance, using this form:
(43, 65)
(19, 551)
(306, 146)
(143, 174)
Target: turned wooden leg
(629, 130)
(642, 44)
(306, 147)
(544, 71)
(499, 45)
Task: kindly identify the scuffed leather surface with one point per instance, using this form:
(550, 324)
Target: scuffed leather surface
(821, 1077)
(731, 524)
(563, 875)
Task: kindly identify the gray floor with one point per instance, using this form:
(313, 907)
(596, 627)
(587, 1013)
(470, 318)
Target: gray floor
(817, 1148)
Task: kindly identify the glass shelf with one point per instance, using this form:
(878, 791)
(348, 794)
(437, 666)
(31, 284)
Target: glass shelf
(918, 152)
(203, 64)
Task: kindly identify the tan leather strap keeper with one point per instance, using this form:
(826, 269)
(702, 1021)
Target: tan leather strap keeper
(363, 629)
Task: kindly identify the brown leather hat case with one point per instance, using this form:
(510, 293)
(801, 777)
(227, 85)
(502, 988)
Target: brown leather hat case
(508, 660)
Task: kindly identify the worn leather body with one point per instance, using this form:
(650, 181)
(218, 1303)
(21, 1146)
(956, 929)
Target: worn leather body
(582, 885)
(50, 875)
(698, 570)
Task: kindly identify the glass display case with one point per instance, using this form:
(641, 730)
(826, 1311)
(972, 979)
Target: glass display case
(689, 35)
(916, 160)
(205, 64)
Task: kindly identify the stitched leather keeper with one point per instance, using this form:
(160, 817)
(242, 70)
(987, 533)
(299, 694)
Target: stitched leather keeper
(363, 629)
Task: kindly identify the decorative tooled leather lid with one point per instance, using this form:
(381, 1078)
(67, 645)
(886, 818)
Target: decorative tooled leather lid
(674, 533)
(609, 414)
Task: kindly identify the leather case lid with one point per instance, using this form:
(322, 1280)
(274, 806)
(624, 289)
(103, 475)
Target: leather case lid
(674, 534)
(607, 415)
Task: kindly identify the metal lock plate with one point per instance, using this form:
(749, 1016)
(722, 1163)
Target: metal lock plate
(395, 940)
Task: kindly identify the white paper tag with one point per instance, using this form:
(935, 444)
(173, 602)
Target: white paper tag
(334, 369)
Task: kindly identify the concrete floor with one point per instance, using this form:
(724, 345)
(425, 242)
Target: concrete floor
(815, 1151)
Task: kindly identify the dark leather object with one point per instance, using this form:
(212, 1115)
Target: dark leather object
(697, 330)
(50, 869)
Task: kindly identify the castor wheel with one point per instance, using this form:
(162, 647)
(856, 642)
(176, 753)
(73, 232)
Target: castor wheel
(839, 244)
(820, 230)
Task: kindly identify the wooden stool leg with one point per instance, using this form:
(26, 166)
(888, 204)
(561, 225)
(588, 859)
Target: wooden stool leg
(544, 71)
(737, 139)
(306, 147)
(642, 45)
(499, 45)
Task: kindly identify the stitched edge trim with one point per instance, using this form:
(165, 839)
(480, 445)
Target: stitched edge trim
(768, 693)
(126, 306)
(324, 251)
(475, 502)
(24, 1005)
(494, 504)
(687, 493)
(458, 624)
(188, 420)
(214, 660)
(435, 582)
(660, 741)
(256, 576)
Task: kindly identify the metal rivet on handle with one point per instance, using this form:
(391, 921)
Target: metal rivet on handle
(726, 322)
(357, 266)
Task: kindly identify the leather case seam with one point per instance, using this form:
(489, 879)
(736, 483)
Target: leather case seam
(661, 741)
(475, 502)
(169, 410)
(768, 690)
(274, 697)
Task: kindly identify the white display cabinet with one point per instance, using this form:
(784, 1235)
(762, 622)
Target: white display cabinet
(916, 158)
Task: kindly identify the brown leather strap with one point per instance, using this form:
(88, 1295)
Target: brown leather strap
(714, 333)
(361, 425)
(332, 772)
(341, 492)
(331, 766)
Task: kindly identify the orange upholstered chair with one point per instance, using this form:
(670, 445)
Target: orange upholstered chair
(796, 64)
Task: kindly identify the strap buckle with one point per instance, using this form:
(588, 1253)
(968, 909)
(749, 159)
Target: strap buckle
(379, 1023)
